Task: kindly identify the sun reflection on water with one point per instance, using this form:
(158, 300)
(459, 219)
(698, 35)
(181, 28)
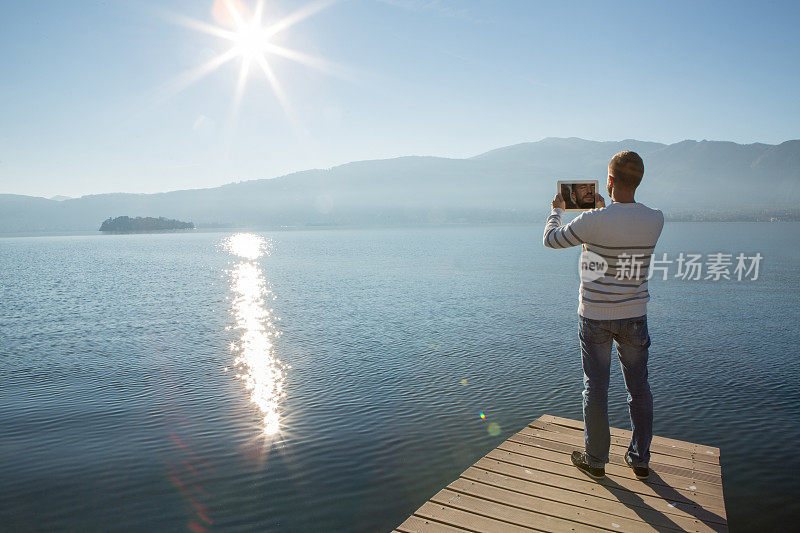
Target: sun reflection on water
(261, 371)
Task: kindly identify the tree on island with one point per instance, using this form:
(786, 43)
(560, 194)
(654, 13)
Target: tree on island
(125, 223)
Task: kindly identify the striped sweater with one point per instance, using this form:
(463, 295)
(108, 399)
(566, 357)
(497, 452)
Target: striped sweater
(624, 235)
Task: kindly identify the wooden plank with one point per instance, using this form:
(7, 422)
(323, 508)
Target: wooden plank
(509, 514)
(576, 440)
(578, 424)
(655, 448)
(613, 488)
(528, 484)
(585, 493)
(416, 524)
(714, 503)
(624, 433)
(690, 476)
(537, 455)
(544, 449)
(574, 508)
(465, 519)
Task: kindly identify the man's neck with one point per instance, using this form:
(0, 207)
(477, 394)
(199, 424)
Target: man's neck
(622, 197)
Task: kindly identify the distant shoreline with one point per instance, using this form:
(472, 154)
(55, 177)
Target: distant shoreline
(343, 227)
(688, 181)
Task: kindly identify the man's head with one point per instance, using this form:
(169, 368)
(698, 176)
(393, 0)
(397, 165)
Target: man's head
(583, 195)
(625, 171)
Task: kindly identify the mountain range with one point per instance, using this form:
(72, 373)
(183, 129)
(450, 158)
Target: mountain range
(693, 179)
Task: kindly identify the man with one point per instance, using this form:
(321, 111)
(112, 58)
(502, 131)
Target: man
(583, 195)
(613, 306)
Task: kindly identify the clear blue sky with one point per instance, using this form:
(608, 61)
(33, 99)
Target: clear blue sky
(84, 107)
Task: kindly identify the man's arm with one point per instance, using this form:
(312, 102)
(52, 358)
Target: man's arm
(573, 234)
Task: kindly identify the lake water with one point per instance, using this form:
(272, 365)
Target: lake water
(334, 382)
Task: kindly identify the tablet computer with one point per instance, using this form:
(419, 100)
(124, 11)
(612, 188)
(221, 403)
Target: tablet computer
(578, 195)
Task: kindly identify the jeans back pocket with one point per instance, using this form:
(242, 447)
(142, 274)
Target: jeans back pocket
(634, 332)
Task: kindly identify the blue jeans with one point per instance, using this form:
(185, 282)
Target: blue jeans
(633, 340)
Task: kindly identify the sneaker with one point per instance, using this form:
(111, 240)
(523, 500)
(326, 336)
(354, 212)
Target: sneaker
(640, 472)
(595, 472)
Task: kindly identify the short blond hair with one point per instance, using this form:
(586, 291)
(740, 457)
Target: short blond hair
(627, 169)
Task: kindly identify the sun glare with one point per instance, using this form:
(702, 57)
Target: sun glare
(248, 37)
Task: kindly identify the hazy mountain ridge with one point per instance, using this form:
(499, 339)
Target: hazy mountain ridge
(508, 184)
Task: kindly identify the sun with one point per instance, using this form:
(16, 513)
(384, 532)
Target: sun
(249, 40)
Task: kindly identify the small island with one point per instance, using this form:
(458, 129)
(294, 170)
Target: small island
(143, 224)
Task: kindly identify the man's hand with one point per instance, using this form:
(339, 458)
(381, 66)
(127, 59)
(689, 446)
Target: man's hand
(599, 202)
(558, 202)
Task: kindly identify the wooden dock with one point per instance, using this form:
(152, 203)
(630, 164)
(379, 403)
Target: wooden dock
(529, 484)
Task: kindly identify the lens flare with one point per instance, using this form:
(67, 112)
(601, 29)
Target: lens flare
(261, 371)
(248, 38)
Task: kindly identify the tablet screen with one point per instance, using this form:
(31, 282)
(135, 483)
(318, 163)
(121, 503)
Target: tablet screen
(578, 195)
